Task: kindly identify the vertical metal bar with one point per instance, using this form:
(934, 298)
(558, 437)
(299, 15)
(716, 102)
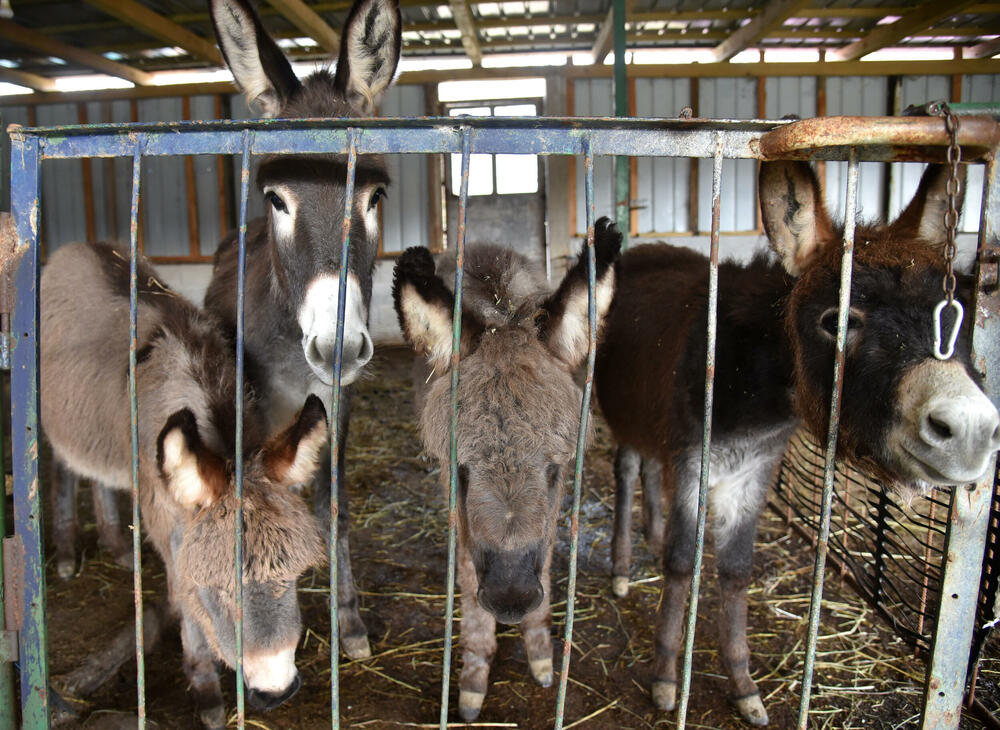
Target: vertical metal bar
(706, 436)
(338, 360)
(25, 159)
(829, 467)
(622, 192)
(8, 716)
(970, 505)
(133, 313)
(241, 274)
(581, 439)
(456, 339)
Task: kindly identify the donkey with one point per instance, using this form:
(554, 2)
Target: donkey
(907, 417)
(186, 388)
(518, 419)
(293, 254)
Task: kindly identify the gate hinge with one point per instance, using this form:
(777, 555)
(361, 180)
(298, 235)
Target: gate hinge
(13, 587)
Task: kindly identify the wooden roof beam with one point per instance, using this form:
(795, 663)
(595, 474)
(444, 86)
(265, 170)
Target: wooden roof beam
(470, 34)
(309, 23)
(159, 27)
(28, 38)
(986, 49)
(919, 19)
(31, 81)
(772, 17)
(605, 40)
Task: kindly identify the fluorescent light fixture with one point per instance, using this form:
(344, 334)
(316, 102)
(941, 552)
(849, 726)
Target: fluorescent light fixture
(791, 55)
(193, 76)
(748, 55)
(12, 89)
(444, 11)
(91, 82)
(907, 53)
(491, 89)
(889, 20)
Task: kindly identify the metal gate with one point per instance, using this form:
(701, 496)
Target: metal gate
(851, 139)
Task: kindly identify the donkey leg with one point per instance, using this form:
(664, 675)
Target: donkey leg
(627, 462)
(652, 503)
(536, 632)
(202, 676)
(678, 565)
(478, 640)
(109, 530)
(63, 496)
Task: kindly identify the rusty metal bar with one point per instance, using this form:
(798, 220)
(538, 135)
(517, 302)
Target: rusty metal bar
(241, 274)
(970, 505)
(335, 476)
(33, 633)
(133, 312)
(581, 439)
(829, 468)
(706, 439)
(456, 340)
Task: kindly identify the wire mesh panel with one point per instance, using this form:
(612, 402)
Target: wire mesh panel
(883, 567)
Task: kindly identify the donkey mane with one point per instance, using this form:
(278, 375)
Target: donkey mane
(502, 288)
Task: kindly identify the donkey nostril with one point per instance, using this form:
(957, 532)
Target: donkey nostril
(941, 429)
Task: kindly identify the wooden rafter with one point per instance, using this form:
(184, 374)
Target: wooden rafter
(28, 38)
(772, 17)
(605, 37)
(159, 27)
(986, 49)
(470, 34)
(306, 19)
(919, 19)
(31, 81)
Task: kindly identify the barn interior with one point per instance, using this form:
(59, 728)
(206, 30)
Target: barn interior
(70, 62)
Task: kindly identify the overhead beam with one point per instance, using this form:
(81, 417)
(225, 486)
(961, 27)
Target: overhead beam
(605, 37)
(772, 17)
(919, 19)
(28, 38)
(470, 34)
(159, 27)
(309, 23)
(987, 49)
(31, 81)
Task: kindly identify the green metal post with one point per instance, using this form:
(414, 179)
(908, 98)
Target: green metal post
(622, 193)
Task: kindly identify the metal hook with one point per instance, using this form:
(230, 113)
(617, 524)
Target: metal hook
(953, 337)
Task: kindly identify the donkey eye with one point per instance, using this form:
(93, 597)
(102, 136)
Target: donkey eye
(378, 195)
(828, 322)
(276, 202)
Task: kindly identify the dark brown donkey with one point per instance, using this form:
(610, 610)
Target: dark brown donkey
(518, 419)
(186, 385)
(906, 416)
(293, 254)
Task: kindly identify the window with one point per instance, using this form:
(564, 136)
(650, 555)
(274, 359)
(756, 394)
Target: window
(500, 174)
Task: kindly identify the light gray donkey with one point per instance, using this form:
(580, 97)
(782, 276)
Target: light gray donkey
(518, 420)
(186, 384)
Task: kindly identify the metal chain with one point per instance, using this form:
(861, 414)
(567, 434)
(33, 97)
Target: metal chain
(951, 125)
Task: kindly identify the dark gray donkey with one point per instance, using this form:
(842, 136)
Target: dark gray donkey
(518, 419)
(907, 417)
(186, 385)
(293, 254)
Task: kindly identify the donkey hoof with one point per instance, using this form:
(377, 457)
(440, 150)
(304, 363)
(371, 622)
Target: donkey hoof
(469, 704)
(356, 647)
(66, 568)
(619, 585)
(214, 718)
(665, 694)
(541, 670)
(752, 710)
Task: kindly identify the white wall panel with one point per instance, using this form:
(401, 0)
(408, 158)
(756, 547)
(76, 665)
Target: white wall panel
(594, 98)
(663, 182)
(63, 217)
(405, 212)
(790, 95)
(734, 98)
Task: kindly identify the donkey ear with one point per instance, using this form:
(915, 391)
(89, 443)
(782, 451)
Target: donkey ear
(369, 52)
(424, 306)
(793, 213)
(293, 456)
(195, 476)
(564, 326)
(924, 216)
(258, 65)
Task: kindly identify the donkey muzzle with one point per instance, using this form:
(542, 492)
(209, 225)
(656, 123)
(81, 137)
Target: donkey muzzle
(317, 317)
(269, 700)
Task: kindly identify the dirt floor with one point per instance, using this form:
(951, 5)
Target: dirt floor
(865, 678)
